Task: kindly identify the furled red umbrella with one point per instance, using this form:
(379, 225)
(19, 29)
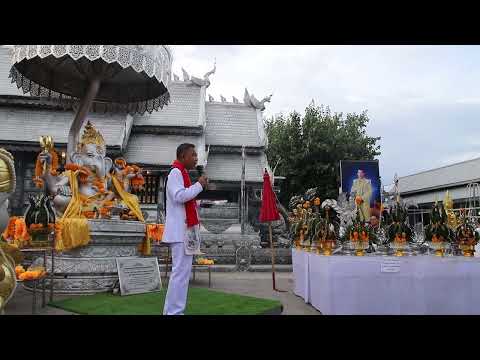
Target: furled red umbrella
(269, 213)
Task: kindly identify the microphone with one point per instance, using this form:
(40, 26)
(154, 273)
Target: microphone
(201, 172)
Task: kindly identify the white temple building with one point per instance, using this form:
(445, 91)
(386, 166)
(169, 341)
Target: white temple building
(219, 129)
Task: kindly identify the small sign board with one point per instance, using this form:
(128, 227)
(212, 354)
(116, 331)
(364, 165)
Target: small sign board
(138, 275)
(390, 265)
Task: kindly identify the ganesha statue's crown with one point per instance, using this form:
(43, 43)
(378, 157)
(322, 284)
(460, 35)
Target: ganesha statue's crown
(92, 136)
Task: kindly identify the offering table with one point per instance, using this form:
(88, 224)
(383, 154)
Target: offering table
(409, 285)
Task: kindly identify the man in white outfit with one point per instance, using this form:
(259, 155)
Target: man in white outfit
(181, 213)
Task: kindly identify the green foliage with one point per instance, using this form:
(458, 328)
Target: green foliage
(310, 148)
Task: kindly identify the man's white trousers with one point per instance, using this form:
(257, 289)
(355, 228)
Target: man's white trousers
(177, 292)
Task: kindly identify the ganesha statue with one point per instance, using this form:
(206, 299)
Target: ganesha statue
(91, 178)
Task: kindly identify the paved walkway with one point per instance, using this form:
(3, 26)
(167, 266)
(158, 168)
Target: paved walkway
(258, 284)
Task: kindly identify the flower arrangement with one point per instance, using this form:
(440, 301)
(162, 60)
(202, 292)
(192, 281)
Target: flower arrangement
(202, 261)
(32, 273)
(399, 233)
(466, 237)
(437, 233)
(360, 235)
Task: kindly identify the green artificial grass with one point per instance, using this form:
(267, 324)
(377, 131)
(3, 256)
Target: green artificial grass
(201, 301)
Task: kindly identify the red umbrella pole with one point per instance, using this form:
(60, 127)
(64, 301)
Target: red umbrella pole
(273, 254)
(273, 258)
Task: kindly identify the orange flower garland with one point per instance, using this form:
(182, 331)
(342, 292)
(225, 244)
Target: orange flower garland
(128, 170)
(9, 231)
(58, 231)
(104, 212)
(89, 214)
(72, 167)
(155, 232)
(138, 182)
(16, 232)
(120, 162)
(83, 174)
(99, 184)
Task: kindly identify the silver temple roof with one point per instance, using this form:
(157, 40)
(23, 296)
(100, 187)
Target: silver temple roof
(27, 125)
(453, 175)
(183, 109)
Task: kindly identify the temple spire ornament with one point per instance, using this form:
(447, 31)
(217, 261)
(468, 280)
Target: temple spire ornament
(186, 76)
(205, 81)
(211, 72)
(252, 101)
(175, 77)
(396, 188)
(223, 99)
(246, 98)
(210, 98)
(235, 100)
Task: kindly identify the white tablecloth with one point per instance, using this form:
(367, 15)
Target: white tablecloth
(355, 285)
(300, 261)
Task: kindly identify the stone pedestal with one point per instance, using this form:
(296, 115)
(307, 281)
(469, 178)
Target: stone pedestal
(93, 268)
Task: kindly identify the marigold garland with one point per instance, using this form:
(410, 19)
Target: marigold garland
(128, 170)
(9, 231)
(120, 162)
(155, 232)
(58, 231)
(16, 232)
(99, 184)
(138, 182)
(83, 174)
(72, 167)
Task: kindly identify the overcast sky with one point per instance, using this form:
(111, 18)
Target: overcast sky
(423, 101)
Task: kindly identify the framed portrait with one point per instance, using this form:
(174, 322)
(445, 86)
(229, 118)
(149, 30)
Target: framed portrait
(363, 178)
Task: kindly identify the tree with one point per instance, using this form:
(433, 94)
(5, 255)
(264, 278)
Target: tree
(310, 148)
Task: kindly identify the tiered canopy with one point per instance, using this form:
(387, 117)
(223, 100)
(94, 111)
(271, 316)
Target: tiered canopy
(113, 78)
(134, 78)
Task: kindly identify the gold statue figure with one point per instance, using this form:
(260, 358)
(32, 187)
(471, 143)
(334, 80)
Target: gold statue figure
(452, 220)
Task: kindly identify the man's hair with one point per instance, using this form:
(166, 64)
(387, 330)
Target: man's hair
(182, 148)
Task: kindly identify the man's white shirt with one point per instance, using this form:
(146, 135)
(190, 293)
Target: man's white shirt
(177, 196)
